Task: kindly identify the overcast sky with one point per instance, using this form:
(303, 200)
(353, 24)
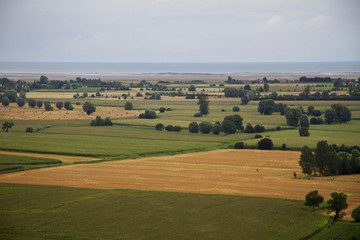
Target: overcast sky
(179, 30)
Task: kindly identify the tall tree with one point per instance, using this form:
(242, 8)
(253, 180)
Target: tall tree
(204, 105)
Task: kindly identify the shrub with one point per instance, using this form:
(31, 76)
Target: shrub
(216, 129)
(249, 128)
(205, 127)
(47, 106)
(20, 102)
(89, 108)
(59, 105)
(283, 147)
(194, 127)
(316, 120)
(197, 115)
(177, 129)
(29, 129)
(138, 94)
(236, 109)
(149, 114)
(278, 128)
(142, 115)
(258, 136)
(239, 145)
(68, 106)
(259, 128)
(39, 104)
(5, 101)
(98, 121)
(168, 109)
(265, 144)
(169, 128)
(162, 109)
(32, 103)
(108, 121)
(159, 126)
(228, 126)
(304, 132)
(128, 106)
(355, 214)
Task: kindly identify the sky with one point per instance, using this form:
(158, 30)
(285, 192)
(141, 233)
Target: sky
(179, 30)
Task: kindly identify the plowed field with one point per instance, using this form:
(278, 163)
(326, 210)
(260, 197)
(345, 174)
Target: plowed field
(238, 172)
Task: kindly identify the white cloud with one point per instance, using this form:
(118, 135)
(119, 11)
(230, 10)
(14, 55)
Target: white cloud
(274, 20)
(319, 19)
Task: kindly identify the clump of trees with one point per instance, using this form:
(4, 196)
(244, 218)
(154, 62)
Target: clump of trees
(148, 114)
(266, 107)
(257, 129)
(172, 128)
(337, 113)
(101, 122)
(326, 161)
(293, 116)
(265, 144)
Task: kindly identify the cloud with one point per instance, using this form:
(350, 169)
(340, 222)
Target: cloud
(319, 19)
(274, 20)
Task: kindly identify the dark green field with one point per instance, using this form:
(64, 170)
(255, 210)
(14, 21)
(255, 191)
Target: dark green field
(42, 212)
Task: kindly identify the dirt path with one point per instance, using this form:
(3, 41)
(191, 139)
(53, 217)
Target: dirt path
(238, 172)
(63, 158)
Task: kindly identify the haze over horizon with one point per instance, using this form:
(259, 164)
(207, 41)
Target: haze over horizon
(180, 31)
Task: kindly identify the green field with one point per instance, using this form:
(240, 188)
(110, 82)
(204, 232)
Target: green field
(42, 212)
(9, 163)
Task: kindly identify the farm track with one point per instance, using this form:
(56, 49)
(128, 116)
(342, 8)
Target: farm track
(232, 172)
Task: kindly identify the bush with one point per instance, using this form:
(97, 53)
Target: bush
(47, 106)
(97, 122)
(162, 109)
(197, 115)
(108, 121)
(265, 144)
(159, 126)
(278, 128)
(32, 103)
(168, 109)
(236, 109)
(142, 115)
(283, 147)
(138, 94)
(239, 145)
(177, 129)
(59, 105)
(29, 129)
(194, 127)
(316, 120)
(259, 128)
(89, 108)
(5, 101)
(128, 106)
(258, 136)
(355, 214)
(216, 129)
(304, 132)
(20, 102)
(205, 127)
(149, 114)
(68, 106)
(228, 126)
(249, 128)
(39, 104)
(169, 128)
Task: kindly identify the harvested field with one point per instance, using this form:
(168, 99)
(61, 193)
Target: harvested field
(63, 158)
(13, 112)
(233, 172)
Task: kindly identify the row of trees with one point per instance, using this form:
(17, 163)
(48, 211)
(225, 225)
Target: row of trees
(101, 122)
(326, 161)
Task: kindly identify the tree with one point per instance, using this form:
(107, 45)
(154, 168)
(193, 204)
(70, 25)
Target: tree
(39, 104)
(5, 101)
(98, 121)
(330, 116)
(307, 161)
(236, 119)
(20, 102)
(265, 144)
(310, 110)
(108, 121)
(245, 100)
(89, 108)
(249, 128)
(44, 80)
(48, 106)
(259, 128)
(192, 88)
(325, 158)
(236, 109)
(59, 105)
(7, 125)
(343, 114)
(162, 109)
(159, 126)
(313, 199)
(169, 128)
(307, 90)
(304, 132)
(205, 127)
(32, 103)
(304, 121)
(216, 129)
(355, 214)
(266, 107)
(239, 145)
(194, 127)
(68, 106)
(266, 87)
(293, 116)
(337, 203)
(149, 114)
(247, 87)
(11, 95)
(204, 105)
(128, 106)
(228, 126)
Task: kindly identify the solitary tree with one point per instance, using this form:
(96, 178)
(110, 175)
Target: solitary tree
(128, 106)
(313, 199)
(337, 203)
(204, 105)
(89, 108)
(7, 125)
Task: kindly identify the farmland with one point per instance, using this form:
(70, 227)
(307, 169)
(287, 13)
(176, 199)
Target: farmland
(129, 175)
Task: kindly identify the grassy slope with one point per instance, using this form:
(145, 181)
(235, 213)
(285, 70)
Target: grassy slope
(340, 231)
(42, 212)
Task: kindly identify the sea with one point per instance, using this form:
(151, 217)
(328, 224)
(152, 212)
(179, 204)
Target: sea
(82, 68)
